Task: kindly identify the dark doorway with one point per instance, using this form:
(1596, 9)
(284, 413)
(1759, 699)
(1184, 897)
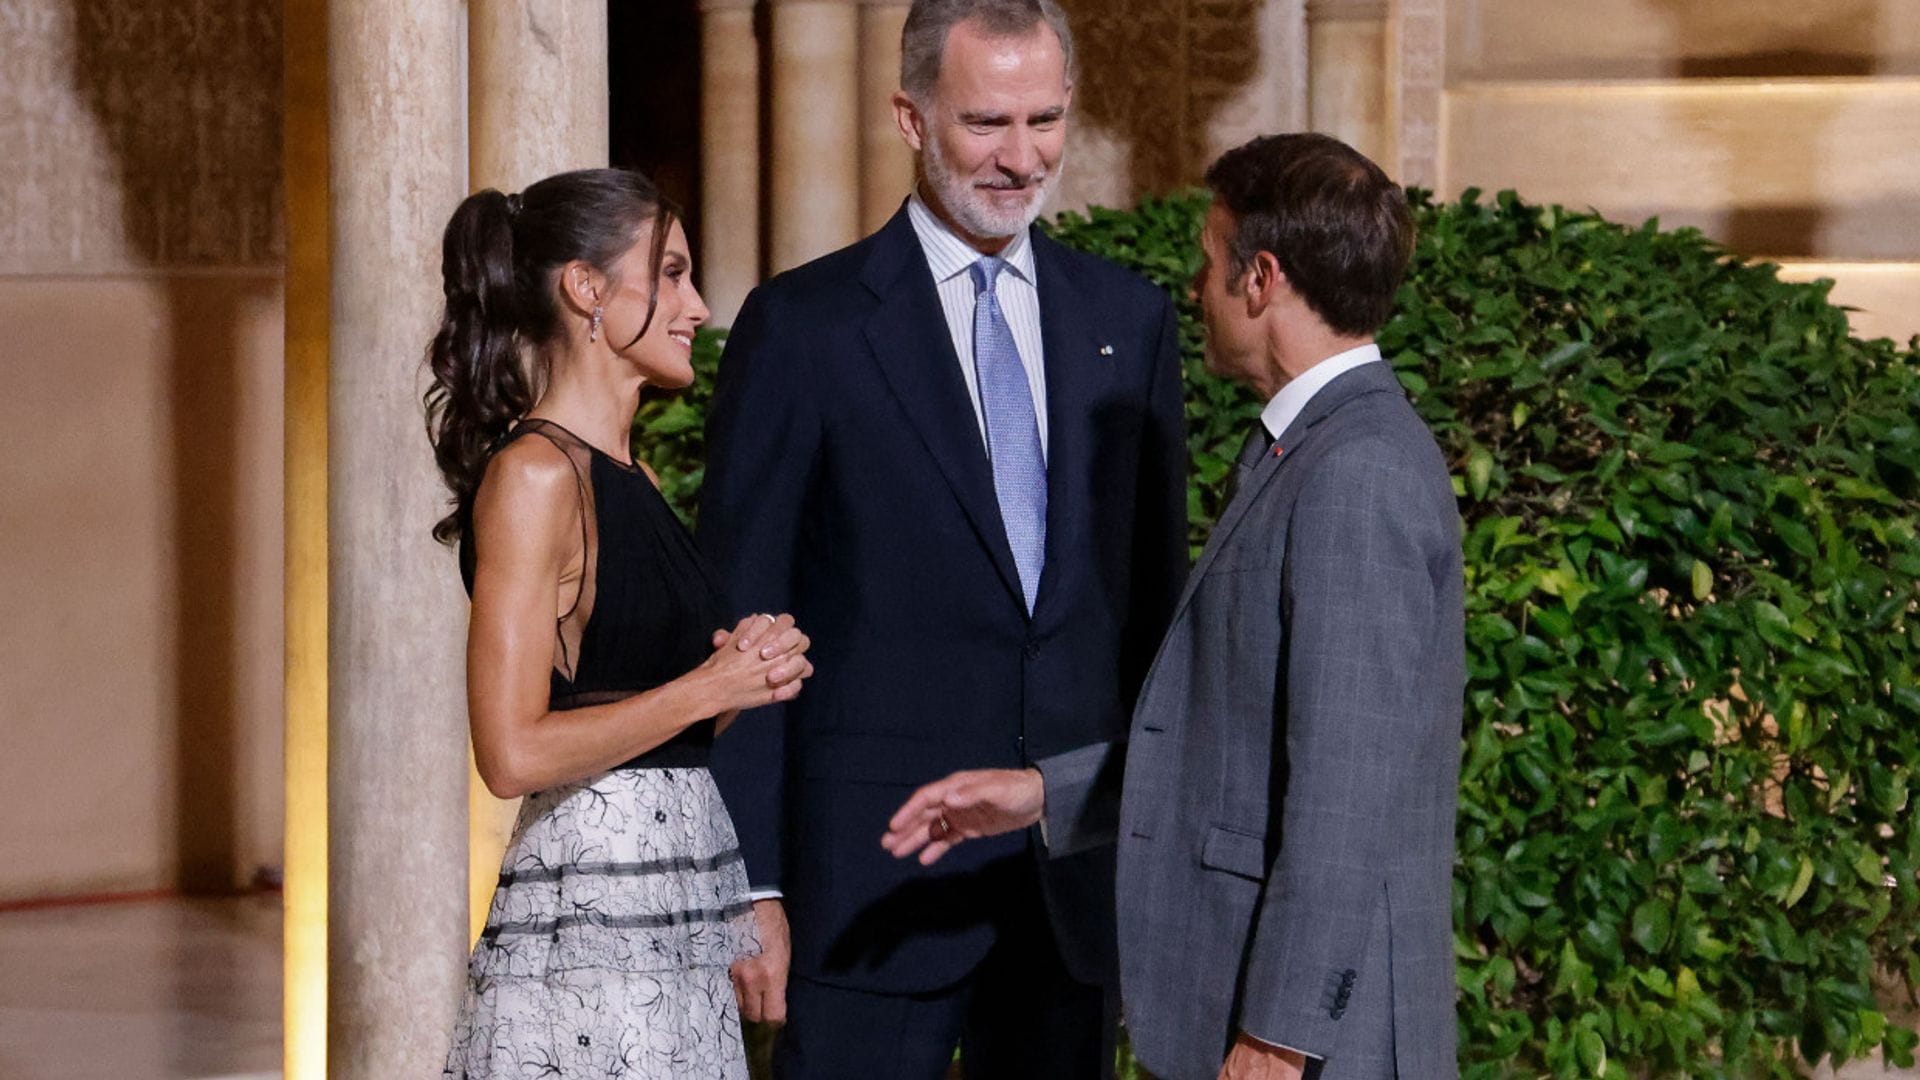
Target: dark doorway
(653, 75)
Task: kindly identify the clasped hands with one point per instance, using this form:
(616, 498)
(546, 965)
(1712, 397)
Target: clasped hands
(761, 661)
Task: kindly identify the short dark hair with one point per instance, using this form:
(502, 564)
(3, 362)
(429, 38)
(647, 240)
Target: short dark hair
(923, 41)
(1337, 225)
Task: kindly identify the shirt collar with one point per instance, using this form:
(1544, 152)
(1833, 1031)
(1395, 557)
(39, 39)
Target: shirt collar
(948, 255)
(1292, 399)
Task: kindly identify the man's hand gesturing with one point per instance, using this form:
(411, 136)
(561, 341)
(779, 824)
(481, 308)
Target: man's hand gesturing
(965, 806)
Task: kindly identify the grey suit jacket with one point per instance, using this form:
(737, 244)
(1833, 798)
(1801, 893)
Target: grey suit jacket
(1286, 827)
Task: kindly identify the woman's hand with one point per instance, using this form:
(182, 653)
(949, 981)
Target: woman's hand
(761, 661)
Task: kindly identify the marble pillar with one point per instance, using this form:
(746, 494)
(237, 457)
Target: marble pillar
(815, 188)
(1347, 59)
(536, 90)
(397, 757)
(1416, 47)
(537, 104)
(886, 165)
(729, 234)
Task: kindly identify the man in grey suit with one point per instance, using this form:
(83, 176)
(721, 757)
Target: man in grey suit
(1286, 824)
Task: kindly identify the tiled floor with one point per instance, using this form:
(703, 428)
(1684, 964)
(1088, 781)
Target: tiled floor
(160, 990)
(182, 990)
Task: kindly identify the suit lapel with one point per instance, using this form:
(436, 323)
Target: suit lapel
(1067, 337)
(1367, 379)
(908, 336)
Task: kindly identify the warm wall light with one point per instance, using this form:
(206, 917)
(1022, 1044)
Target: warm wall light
(304, 1008)
(489, 828)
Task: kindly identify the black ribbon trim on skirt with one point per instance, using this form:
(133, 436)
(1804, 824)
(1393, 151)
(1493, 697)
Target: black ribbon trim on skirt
(619, 922)
(677, 864)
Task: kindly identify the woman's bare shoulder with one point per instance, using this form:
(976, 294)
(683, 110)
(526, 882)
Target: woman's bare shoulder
(528, 478)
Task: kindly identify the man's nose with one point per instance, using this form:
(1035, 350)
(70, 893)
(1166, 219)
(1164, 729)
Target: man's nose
(1018, 153)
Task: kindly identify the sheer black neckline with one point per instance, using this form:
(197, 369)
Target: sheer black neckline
(633, 466)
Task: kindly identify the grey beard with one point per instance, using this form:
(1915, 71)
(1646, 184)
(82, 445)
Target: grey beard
(958, 196)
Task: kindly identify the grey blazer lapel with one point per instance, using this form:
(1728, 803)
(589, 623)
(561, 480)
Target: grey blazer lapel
(1371, 378)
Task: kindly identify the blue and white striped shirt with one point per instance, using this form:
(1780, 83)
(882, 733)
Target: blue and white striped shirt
(949, 257)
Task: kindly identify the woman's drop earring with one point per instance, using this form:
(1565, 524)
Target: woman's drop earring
(593, 329)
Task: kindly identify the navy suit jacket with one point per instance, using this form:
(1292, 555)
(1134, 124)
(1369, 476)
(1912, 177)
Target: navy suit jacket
(847, 482)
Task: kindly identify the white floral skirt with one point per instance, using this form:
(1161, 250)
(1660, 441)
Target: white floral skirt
(622, 902)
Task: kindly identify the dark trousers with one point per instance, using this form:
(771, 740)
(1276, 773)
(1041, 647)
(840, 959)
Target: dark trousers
(1019, 1015)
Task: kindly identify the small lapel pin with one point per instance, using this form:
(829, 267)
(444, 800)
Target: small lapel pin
(1106, 350)
(1277, 451)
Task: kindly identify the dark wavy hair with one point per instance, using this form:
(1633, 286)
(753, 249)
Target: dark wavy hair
(499, 261)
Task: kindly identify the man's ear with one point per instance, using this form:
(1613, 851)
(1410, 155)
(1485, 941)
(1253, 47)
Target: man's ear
(582, 287)
(1265, 281)
(906, 117)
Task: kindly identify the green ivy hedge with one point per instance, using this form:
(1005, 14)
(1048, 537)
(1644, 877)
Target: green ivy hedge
(1689, 502)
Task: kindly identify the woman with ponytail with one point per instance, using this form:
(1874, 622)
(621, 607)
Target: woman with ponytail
(597, 671)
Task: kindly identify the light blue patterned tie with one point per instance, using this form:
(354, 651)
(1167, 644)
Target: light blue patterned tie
(1013, 433)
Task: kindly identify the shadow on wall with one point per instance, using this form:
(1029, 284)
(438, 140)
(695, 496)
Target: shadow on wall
(1155, 74)
(180, 90)
(1839, 38)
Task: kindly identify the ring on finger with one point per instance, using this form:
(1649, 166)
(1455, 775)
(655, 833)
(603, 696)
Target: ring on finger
(944, 827)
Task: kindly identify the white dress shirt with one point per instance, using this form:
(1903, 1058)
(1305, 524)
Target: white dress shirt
(1292, 399)
(950, 258)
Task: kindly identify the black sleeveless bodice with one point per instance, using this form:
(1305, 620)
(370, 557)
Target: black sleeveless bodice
(648, 602)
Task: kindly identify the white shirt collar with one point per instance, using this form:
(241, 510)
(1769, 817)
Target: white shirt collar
(948, 255)
(1292, 399)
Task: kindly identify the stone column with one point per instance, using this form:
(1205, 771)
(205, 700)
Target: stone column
(397, 758)
(536, 89)
(1416, 84)
(1347, 58)
(537, 105)
(816, 129)
(886, 165)
(729, 265)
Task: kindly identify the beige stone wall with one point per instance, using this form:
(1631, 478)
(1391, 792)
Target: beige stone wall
(1166, 85)
(1783, 129)
(1662, 39)
(140, 446)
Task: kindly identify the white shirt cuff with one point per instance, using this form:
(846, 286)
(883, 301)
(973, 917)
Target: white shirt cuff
(764, 894)
(1282, 1046)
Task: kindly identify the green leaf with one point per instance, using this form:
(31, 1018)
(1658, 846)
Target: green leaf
(1797, 536)
(1800, 883)
(1869, 868)
(1702, 580)
(1575, 976)
(1652, 925)
(1773, 625)
(1479, 472)
(1593, 1051)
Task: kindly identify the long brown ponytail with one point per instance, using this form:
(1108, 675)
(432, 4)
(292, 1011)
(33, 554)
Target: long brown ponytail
(499, 259)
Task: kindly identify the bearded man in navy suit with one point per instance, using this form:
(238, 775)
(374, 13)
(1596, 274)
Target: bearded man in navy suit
(955, 452)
